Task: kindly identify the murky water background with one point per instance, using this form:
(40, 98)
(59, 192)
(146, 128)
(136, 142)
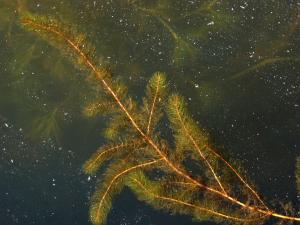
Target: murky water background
(237, 63)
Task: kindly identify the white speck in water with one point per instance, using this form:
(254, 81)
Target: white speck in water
(211, 23)
(53, 180)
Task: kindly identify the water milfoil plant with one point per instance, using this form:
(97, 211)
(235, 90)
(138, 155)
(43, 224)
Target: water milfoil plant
(180, 172)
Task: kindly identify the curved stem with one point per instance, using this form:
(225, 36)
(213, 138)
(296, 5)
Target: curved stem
(162, 21)
(102, 153)
(263, 63)
(207, 210)
(238, 175)
(199, 150)
(152, 109)
(100, 75)
(119, 175)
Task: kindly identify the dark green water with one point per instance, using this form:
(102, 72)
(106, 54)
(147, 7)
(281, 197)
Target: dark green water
(236, 62)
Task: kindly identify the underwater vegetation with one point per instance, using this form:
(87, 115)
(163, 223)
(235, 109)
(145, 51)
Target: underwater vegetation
(273, 49)
(133, 37)
(253, 114)
(154, 146)
(42, 103)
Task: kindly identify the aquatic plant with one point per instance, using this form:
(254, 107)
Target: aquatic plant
(263, 63)
(178, 24)
(182, 48)
(179, 172)
(275, 47)
(42, 102)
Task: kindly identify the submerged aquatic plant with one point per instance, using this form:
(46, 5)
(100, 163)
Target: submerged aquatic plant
(274, 48)
(182, 173)
(182, 49)
(42, 103)
(176, 20)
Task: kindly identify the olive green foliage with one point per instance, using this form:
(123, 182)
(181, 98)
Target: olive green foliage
(170, 31)
(181, 30)
(278, 39)
(173, 33)
(174, 173)
(43, 96)
(137, 149)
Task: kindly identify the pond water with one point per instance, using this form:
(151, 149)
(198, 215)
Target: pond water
(237, 64)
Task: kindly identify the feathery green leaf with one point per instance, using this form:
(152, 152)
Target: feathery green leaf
(111, 185)
(106, 152)
(183, 125)
(154, 100)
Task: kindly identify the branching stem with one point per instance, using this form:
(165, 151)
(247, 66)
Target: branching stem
(199, 150)
(238, 175)
(152, 109)
(118, 176)
(180, 202)
(100, 74)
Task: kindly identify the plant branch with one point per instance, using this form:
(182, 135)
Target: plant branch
(100, 74)
(152, 109)
(180, 202)
(238, 175)
(199, 150)
(117, 177)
